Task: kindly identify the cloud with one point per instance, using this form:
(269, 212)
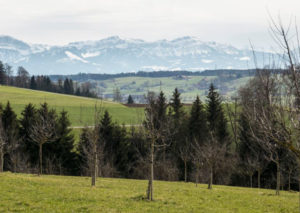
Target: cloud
(63, 21)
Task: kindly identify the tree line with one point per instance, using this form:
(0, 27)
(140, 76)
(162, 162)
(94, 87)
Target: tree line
(82, 77)
(212, 143)
(41, 82)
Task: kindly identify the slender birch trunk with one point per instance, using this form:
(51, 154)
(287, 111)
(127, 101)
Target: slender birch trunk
(185, 171)
(41, 159)
(211, 178)
(151, 178)
(94, 169)
(278, 179)
(258, 178)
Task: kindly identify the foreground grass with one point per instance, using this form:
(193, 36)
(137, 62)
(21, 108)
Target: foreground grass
(30, 193)
(81, 110)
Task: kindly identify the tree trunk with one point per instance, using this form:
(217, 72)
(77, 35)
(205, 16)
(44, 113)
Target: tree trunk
(278, 178)
(289, 186)
(197, 175)
(1, 160)
(151, 178)
(15, 163)
(41, 159)
(258, 179)
(185, 171)
(164, 155)
(94, 170)
(251, 180)
(152, 170)
(211, 178)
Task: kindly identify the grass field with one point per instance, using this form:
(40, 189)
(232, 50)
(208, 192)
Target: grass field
(80, 109)
(30, 193)
(188, 86)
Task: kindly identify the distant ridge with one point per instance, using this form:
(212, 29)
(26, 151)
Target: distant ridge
(117, 55)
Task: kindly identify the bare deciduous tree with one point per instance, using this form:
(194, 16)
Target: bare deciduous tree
(94, 149)
(157, 133)
(185, 156)
(213, 155)
(42, 131)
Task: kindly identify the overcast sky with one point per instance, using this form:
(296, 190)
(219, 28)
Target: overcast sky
(63, 21)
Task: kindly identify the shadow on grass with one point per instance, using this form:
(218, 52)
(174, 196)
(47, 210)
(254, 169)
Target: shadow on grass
(139, 198)
(142, 198)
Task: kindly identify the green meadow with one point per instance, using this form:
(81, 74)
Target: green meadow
(81, 109)
(31, 193)
(189, 86)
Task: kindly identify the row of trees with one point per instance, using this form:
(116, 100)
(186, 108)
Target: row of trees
(24, 80)
(214, 142)
(39, 139)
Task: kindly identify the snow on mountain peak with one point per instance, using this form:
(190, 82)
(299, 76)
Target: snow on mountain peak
(115, 54)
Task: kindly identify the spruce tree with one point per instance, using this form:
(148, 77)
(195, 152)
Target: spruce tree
(113, 139)
(106, 133)
(176, 105)
(33, 84)
(197, 121)
(161, 111)
(9, 119)
(67, 86)
(63, 147)
(130, 100)
(71, 86)
(106, 125)
(10, 126)
(26, 122)
(213, 108)
(217, 123)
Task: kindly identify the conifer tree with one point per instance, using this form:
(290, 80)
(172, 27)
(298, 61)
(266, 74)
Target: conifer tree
(33, 84)
(67, 86)
(62, 148)
(197, 121)
(9, 120)
(106, 126)
(130, 100)
(106, 133)
(177, 106)
(10, 126)
(217, 122)
(161, 110)
(27, 120)
(71, 86)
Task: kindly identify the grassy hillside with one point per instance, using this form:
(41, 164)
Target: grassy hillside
(30, 193)
(80, 109)
(189, 86)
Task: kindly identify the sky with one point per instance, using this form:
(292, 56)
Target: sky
(58, 22)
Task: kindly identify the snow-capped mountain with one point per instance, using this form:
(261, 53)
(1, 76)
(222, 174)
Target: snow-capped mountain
(115, 55)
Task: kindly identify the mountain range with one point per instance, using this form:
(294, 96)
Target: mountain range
(116, 55)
